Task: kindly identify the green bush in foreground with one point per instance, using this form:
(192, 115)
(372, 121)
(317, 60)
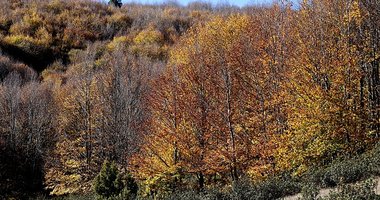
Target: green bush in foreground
(346, 171)
(108, 183)
(272, 188)
(363, 191)
(342, 174)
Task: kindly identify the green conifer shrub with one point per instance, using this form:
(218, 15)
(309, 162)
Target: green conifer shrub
(108, 183)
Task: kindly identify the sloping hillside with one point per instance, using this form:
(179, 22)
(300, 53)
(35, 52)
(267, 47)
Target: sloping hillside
(188, 102)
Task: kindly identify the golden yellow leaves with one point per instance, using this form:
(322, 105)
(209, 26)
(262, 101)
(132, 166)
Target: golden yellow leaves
(117, 42)
(150, 42)
(323, 85)
(148, 36)
(68, 184)
(29, 32)
(213, 38)
(208, 130)
(353, 13)
(20, 40)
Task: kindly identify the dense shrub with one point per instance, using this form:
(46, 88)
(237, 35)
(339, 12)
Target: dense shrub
(131, 187)
(68, 197)
(354, 192)
(108, 183)
(345, 170)
(274, 188)
(217, 194)
(8, 66)
(208, 194)
(373, 161)
(185, 195)
(338, 173)
(271, 188)
(310, 191)
(39, 33)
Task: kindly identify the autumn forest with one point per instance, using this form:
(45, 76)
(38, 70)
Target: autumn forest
(189, 102)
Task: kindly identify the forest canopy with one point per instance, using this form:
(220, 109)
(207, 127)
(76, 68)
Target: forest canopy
(182, 98)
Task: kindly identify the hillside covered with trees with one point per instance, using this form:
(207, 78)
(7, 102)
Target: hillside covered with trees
(187, 102)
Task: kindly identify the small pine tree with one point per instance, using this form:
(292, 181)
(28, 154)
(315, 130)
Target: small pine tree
(116, 3)
(108, 183)
(131, 185)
